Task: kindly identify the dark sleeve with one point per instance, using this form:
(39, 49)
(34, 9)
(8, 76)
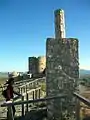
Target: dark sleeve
(8, 93)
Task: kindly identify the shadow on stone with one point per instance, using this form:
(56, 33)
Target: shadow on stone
(86, 118)
(36, 114)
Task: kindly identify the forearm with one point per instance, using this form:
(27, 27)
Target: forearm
(16, 93)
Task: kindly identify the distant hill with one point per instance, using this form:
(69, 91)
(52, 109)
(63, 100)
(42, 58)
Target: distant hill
(3, 74)
(82, 73)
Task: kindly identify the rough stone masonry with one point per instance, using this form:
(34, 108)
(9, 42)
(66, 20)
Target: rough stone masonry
(62, 73)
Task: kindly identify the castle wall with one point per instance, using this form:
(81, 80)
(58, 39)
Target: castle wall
(62, 67)
(41, 64)
(32, 65)
(37, 65)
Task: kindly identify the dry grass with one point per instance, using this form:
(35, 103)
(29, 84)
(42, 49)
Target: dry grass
(2, 81)
(85, 110)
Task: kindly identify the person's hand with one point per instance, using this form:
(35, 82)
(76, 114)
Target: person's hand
(11, 100)
(7, 102)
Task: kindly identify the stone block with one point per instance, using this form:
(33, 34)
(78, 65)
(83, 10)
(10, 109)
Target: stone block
(62, 73)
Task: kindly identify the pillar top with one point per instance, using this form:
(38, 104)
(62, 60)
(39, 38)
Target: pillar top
(59, 11)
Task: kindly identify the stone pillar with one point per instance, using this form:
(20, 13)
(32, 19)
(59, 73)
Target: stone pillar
(61, 75)
(59, 24)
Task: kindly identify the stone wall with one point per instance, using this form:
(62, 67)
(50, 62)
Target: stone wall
(62, 72)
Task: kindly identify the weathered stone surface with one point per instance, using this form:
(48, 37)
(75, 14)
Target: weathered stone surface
(61, 74)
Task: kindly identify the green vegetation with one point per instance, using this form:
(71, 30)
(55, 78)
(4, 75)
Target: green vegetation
(85, 81)
(43, 86)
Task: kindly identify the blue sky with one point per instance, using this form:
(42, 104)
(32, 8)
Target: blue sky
(26, 24)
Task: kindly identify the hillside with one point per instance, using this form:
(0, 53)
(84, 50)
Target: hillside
(3, 74)
(84, 73)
